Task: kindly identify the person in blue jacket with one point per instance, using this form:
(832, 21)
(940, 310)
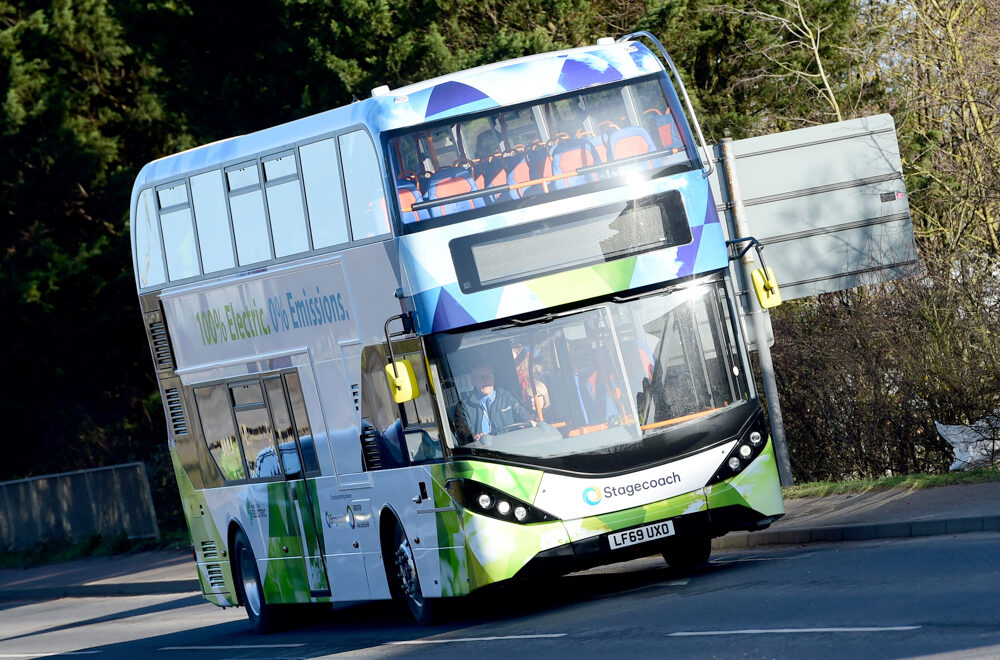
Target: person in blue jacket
(489, 410)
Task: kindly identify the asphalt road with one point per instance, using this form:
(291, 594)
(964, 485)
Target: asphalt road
(887, 599)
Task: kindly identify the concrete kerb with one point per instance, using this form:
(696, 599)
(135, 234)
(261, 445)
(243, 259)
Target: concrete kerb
(857, 532)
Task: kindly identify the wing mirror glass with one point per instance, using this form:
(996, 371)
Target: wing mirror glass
(402, 381)
(766, 287)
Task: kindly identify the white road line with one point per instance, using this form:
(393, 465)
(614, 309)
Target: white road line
(45, 654)
(476, 639)
(231, 647)
(787, 631)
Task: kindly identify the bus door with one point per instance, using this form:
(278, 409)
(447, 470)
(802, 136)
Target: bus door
(298, 534)
(419, 443)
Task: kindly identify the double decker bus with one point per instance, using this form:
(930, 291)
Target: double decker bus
(473, 329)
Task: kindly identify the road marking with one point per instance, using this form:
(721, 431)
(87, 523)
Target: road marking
(476, 639)
(230, 647)
(786, 631)
(45, 654)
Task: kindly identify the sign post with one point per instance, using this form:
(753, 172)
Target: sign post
(756, 315)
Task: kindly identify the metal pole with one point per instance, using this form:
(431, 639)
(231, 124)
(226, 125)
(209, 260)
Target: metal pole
(757, 317)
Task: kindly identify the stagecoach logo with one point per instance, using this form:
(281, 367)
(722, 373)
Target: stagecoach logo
(350, 517)
(330, 520)
(591, 495)
(255, 510)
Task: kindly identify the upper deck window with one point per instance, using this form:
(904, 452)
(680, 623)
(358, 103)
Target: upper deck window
(253, 244)
(284, 205)
(324, 193)
(212, 218)
(178, 231)
(365, 196)
(148, 246)
(515, 156)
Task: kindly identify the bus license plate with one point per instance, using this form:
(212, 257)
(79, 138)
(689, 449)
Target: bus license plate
(642, 534)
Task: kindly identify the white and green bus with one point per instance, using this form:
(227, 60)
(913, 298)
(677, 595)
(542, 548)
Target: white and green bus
(474, 329)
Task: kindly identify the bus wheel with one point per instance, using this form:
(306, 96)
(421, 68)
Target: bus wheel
(689, 554)
(406, 582)
(251, 589)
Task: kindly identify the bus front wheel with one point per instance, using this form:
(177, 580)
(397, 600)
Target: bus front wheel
(405, 582)
(261, 615)
(689, 554)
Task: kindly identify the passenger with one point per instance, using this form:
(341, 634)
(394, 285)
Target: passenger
(596, 402)
(534, 393)
(488, 409)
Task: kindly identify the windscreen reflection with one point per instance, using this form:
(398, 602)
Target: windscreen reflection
(603, 380)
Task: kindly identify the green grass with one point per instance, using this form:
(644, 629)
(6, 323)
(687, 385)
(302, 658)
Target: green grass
(55, 551)
(908, 482)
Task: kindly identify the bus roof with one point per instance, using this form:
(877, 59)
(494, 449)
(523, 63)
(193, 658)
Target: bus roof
(493, 85)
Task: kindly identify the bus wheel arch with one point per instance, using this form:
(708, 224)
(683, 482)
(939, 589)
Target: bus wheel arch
(401, 568)
(249, 586)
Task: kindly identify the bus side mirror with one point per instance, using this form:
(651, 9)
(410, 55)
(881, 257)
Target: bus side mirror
(402, 381)
(766, 287)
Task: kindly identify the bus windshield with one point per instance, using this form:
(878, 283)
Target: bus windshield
(519, 155)
(621, 381)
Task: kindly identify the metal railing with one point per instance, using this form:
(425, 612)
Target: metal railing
(77, 505)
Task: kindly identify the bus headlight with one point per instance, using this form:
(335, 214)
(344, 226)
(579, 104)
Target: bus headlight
(745, 452)
(488, 501)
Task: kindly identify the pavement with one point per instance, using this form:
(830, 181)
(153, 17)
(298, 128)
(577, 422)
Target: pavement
(894, 513)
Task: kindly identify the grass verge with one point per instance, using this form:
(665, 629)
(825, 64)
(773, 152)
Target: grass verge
(908, 482)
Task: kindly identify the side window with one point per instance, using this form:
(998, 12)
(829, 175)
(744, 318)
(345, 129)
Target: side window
(253, 243)
(324, 193)
(284, 205)
(212, 220)
(255, 431)
(301, 420)
(178, 231)
(216, 416)
(284, 431)
(365, 195)
(420, 433)
(148, 248)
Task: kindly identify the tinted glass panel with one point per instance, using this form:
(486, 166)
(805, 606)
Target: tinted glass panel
(258, 443)
(324, 193)
(148, 249)
(301, 420)
(279, 167)
(288, 219)
(243, 177)
(365, 197)
(178, 239)
(215, 414)
(247, 394)
(284, 430)
(250, 227)
(212, 220)
(172, 196)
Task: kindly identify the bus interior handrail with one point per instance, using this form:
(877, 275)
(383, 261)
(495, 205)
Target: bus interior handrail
(687, 99)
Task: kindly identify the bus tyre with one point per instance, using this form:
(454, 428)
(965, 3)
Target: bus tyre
(404, 581)
(261, 615)
(689, 554)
